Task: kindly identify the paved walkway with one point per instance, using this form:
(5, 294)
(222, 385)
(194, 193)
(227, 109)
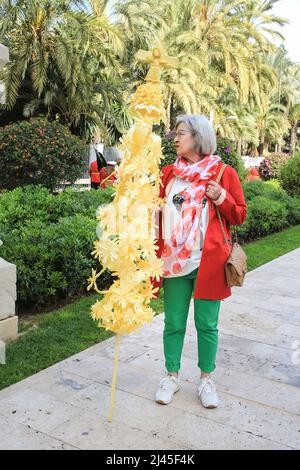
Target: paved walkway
(258, 378)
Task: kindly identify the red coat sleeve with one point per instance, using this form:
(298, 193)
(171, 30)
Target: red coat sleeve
(166, 175)
(234, 206)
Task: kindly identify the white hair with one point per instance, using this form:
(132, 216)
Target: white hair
(202, 130)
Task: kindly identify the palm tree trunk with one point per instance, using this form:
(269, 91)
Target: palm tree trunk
(261, 149)
(252, 150)
(266, 146)
(239, 147)
(293, 138)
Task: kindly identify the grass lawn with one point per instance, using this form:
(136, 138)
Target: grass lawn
(272, 246)
(51, 337)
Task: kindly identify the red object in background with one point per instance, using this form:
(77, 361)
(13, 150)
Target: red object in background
(106, 175)
(253, 174)
(94, 173)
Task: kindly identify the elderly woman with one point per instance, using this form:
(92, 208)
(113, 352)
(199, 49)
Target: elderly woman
(193, 250)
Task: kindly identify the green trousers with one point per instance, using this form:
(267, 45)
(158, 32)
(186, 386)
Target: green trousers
(177, 296)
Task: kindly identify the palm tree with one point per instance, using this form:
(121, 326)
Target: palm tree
(294, 120)
(292, 92)
(220, 45)
(57, 53)
(69, 60)
(74, 61)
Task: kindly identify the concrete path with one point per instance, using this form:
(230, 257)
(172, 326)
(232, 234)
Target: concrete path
(258, 378)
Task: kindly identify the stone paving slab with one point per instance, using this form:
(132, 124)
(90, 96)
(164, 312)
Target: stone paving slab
(257, 375)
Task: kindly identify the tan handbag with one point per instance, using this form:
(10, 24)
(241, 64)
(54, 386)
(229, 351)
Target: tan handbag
(236, 264)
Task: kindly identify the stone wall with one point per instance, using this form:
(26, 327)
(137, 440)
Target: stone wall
(8, 296)
(4, 58)
(8, 272)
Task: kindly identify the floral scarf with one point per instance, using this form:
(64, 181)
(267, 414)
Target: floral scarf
(184, 235)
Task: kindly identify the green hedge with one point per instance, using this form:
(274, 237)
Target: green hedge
(289, 176)
(50, 238)
(263, 218)
(270, 209)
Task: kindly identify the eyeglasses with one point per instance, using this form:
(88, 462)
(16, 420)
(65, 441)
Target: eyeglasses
(181, 133)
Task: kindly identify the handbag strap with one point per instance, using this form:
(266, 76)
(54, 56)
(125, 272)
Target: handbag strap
(224, 165)
(218, 212)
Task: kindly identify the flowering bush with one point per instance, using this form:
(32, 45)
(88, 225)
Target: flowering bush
(39, 152)
(265, 170)
(274, 162)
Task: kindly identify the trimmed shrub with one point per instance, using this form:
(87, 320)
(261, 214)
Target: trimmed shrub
(256, 188)
(20, 206)
(39, 152)
(52, 260)
(273, 192)
(253, 188)
(290, 176)
(293, 208)
(263, 219)
(50, 239)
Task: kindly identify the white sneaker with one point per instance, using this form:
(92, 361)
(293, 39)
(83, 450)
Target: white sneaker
(208, 393)
(167, 387)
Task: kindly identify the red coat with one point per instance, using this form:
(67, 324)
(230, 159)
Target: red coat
(211, 279)
(94, 173)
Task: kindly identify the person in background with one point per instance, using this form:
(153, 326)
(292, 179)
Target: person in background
(253, 174)
(95, 167)
(100, 159)
(108, 174)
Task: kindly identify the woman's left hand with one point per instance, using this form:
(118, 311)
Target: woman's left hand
(213, 190)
